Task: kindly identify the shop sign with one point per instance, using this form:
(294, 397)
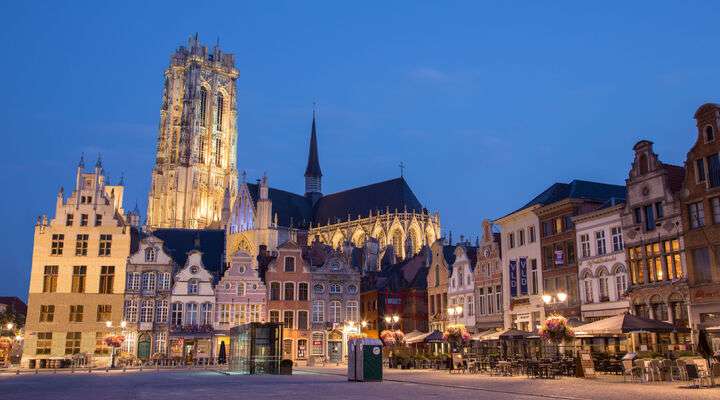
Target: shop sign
(706, 294)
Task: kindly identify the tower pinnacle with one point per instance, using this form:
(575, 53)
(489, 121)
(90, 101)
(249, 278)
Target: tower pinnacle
(313, 174)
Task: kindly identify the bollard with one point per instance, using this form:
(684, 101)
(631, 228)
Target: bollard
(107, 368)
(36, 371)
(124, 368)
(72, 368)
(17, 372)
(89, 369)
(141, 367)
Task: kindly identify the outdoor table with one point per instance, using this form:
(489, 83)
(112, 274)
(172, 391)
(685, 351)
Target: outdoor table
(545, 371)
(504, 367)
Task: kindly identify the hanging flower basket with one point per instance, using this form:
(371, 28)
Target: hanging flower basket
(556, 329)
(391, 338)
(456, 335)
(114, 340)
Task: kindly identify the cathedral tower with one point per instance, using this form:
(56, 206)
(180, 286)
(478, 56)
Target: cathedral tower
(313, 174)
(195, 164)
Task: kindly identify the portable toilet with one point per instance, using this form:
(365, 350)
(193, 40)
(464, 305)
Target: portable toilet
(364, 360)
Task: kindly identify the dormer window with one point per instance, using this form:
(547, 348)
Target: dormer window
(150, 255)
(193, 286)
(709, 134)
(289, 264)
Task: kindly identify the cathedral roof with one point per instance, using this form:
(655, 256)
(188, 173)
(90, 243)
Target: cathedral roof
(290, 207)
(211, 242)
(394, 194)
(313, 164)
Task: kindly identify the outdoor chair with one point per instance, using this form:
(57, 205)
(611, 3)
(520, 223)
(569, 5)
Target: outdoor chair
(652, 369)
(672, 370)
(694, 375)
(631, 371)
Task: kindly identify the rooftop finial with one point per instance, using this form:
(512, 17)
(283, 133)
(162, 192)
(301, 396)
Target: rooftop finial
(402, 169)
(122, 181)
(82, 160)
(244, 176)
(98, 163)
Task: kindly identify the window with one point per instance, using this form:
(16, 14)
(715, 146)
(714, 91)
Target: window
(659, 211)
(521, 237)
(44, 343)
(511, 240)
(548, 228)
(600, 242)
(191, 314)
(318, 311)
(105, 244)
(193, 286)
(256, 310)
(206, 312)
(603, 284)
(715, 206)
(709, 134)
(289, 292)
(47, 313)
(72, 342)
(149, 282)
(534, 276)
(104, 312)
(620, 282)
(150, 254)
(50, 277)
(161, 342)
(649, 218)
(697, 215)
(164, 281)
(177, 314)
(218, 152)
(351, 312)
(81, 245)
(146, 310)
(76, 313)
(570, 246)
(78, 279)
(531, 234)
(57, 244)
(318, 288)
(548, 256)
(637, 215)
(617, 240)
(240, 289)
(498, 298)
(203, 106)
(161, 312)
(352, 289)
(636, 266)
(98, 219)
(219, 112)
(481, 301)
(701, 261)
(274, 291)
(83, 219)
(302, 319)
(107, 276)
(335, 309)
(587, 284)
(700, 170)
(274, 316)
(303, 291)
(289, 264)
(224, 313)
(713, 163)
(470, 306)
(585, 245)
(644, 167)
(68, 220)
(335, 288)
(289, 319)
(131, 310)
(100, 346)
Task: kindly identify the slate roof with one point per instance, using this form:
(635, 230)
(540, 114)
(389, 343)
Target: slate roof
(290, 207)
(577, 189)
(675, 175)
(313, 164)
(394, 194)
(179, 242)
(407, 274)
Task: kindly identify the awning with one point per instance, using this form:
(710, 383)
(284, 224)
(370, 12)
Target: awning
(623, 324)
(434, 337)
(478, 336)
(418, 338)
(410, 336)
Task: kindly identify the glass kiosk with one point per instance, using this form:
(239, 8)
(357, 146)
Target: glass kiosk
(255, 348)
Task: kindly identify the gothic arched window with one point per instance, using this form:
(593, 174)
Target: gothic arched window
(709, 134)
(218, 152)
(203, 106)
(219, 111)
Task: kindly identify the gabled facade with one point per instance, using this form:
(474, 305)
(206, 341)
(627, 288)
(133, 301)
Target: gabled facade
(654, 242)
(192, 311)
(148, 291)
(438, 277)
(489, 296)
(701, 219)
(461, 291)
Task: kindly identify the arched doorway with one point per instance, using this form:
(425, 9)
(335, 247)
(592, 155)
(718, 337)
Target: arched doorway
(143, 351)
(335, 346)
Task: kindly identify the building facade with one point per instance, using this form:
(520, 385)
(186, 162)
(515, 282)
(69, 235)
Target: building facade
(701, 220)
(192, 311)
(148, 290)
(488, 281)
(195, 163)
(603, 273)
(77, 281)
(288, 299)
(654, 243)
(461, 292)
(442, 259)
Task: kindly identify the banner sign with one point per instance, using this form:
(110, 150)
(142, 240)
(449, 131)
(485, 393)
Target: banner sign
(513, 278)
(559, 257)
(523, 276)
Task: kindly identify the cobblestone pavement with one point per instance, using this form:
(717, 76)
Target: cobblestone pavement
(324, 383)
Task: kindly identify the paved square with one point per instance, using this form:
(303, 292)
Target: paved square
(324, 383)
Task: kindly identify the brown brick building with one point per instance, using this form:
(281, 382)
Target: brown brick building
(701, 219)
(443, 256)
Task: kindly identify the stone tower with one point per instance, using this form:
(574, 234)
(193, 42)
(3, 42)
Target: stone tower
(195, 165)
(313, 174)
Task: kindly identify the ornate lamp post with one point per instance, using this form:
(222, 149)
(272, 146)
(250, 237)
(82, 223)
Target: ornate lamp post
(455, 312)
(109, 325)
(391, 321)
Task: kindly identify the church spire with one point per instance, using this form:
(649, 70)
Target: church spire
(313, 174)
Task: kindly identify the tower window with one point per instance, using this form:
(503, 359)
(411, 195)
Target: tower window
(709, 134)
(203, 106)
(219, 112)
(218, 154)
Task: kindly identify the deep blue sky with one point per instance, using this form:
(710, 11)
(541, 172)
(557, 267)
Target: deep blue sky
(487, 104)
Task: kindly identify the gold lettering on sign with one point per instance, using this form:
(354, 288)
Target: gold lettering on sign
(602, 260)
(706, 294)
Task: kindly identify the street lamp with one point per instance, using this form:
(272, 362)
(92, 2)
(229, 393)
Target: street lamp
(391, 320)
(10, 326)
(363, 324)
(455, 312)
(559, 296)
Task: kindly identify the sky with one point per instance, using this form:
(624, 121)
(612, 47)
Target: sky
(486, 103)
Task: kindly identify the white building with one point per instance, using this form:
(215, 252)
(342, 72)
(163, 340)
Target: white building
(191, 315)
(521, 272)
(461, 286)
(602, 270)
